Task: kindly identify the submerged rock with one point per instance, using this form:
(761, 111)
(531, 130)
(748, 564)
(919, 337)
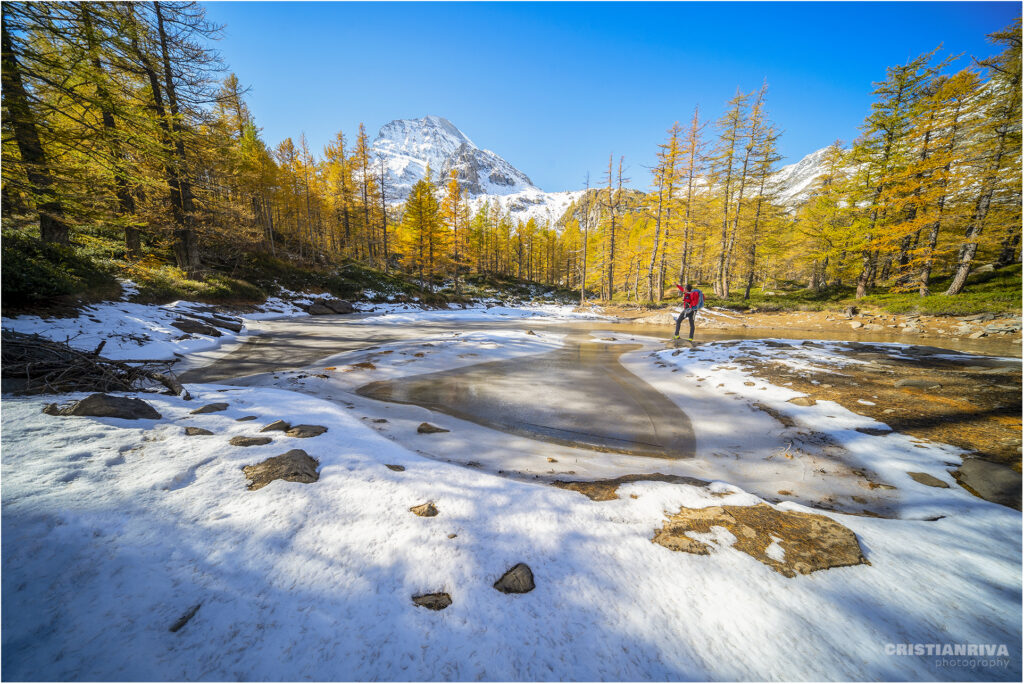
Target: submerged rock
(106, 406)
(990, 481)
(293, 466)
(799, 542)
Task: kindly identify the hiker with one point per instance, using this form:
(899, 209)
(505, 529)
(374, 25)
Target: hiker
(693, 301)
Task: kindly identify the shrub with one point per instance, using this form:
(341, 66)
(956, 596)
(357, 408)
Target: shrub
(36, 271)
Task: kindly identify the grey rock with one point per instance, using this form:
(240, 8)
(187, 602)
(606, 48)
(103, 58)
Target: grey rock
(210, 408)
(318, 309)
(241, 441)
(920, 383)
(192, 326)
(517, 580)
(293, 466)
(338, 306)
(106, 406)
(305, 431)
(438, 601)
(245, 418)
(856, 325)
(196, 431)
(990, 481)
(276, 425)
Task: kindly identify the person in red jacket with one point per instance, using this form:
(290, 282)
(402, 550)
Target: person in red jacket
(693, 301)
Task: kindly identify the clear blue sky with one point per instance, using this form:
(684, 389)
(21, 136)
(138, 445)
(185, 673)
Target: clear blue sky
(555, 87)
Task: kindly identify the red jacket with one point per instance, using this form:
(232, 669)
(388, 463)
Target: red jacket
(693, 299)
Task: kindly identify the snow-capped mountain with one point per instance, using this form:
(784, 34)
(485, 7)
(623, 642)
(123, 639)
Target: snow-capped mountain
(795, 181)
(409, 146)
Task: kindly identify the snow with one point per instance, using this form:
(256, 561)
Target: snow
(113, 529)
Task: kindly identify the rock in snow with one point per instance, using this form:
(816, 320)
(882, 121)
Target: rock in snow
(294, 466)
(106, 406)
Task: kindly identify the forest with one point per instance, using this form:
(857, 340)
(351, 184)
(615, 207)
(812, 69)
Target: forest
(129, 148)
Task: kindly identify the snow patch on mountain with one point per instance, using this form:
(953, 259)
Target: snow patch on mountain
(531, 203)
(796, 181)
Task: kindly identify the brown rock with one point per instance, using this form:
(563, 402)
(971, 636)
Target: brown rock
(106, 406)
(438, 601)
(802, 401)
(810, 542)
(210, 408)
(930, 480)
(244, 419)
(276, 425)
(428, 429)
(305, 431)
(293, 466)
(518, 580)
(196, 431)
(396, 468)
(427, 510)
(249, 441)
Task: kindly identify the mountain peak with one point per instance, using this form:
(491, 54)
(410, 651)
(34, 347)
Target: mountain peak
(409, 146)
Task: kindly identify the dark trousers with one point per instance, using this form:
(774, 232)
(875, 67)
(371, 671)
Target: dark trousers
(686, 313)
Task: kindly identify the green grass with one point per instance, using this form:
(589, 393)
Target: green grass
(997, 291)
(36, 271)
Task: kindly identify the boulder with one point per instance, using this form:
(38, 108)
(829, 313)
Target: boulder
(192, 326)
(856, 324)
(339, 306)
(789, 542)
(196, 431)
(438, 601)
(802, 401)
(874, 327)
(850, 311)
(245, 418)
(990, 481)
(428, 429)
(293, 466)
(304, 431)
(318, 309)
(427, 510)
(249, 441)
(106, 406)
(234, 326)
(210, 408)
(517, 580)
(276, 425)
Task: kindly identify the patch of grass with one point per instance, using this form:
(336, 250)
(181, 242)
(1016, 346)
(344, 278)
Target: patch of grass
(160, 283)
(36, 272)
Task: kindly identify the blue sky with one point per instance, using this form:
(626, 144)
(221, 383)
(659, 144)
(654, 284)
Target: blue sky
(555, 87)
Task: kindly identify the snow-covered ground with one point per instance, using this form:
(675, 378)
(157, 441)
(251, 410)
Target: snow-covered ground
(113, 529)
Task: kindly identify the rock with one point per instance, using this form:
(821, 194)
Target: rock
(196, 431)
(930, 480)
(245, 418)
(339, 306)
(183, 620)
(920, 383)
(530, 332)
(452, 535)
(874, 327)
(517, 580)
(305, 431)
(985, 268)
(210, 408)
(219, 322)
(249, 441)
(802, 401)
(996, 328)
(427, 510)
(874, 432)
(106, 406)
(293, 466)
(192, 326)
(317, 309)
(276, 425)
(428, 429)
(856, 324)
(990, 481)
(850, 311)
(396, 468)
(808, 542)
(438, 601)
(978, 335)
